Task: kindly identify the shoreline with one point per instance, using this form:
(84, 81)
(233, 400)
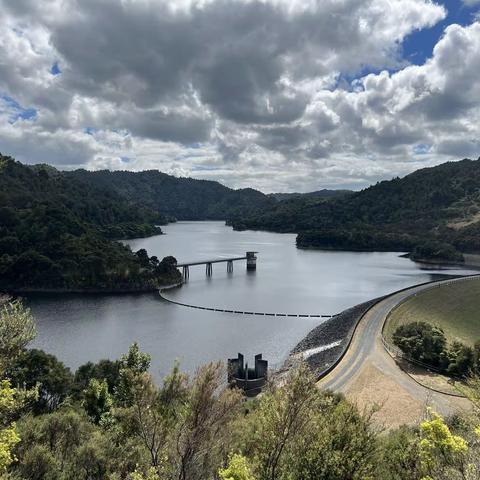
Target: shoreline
(66, 291)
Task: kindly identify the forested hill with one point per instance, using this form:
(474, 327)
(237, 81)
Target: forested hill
(56, 227)
(55, 231)
(180, 198)
(323, 194)
(438, 204)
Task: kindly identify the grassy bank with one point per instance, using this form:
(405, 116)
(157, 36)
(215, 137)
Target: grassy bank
(454, 307)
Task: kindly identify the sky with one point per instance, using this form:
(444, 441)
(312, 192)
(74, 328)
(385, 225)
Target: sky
(278, 95)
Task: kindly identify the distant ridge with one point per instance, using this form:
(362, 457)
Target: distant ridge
(324, 193)
(438, 204)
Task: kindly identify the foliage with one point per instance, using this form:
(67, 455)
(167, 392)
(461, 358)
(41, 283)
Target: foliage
(151, 474)
(436, 204)
(35, 368)
(107, 370)
(8, 439)
(237, 469)
(12, 403)
(436, 250)
(55, 233)
(421, 341)
(198, 428)
(179, 198)
(426, 343)
(97, 401)
(444, 454)
(132, 366)
(16, 331)
(398, 455)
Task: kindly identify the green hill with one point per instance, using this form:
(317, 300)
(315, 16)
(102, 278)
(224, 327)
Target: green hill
(56, 227)
(55, 231)
(452, 307)
(324, 193)
(438, 206)
(179, 198)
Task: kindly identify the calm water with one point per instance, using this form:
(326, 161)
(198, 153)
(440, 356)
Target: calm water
(79, 328)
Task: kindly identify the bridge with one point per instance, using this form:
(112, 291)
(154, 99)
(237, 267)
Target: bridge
(250, 257)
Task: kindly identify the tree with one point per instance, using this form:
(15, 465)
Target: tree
(8, 432)
(36, 367)
(17, 330)
(153, 414)
(97, 401)
(62, 444)
(237, 469)
(461, 359)
(441, 451)
(338, 443)
(202, 436)
(421, 341)
(107, 370)
(281, 418)
(398, 455)
(132, 366)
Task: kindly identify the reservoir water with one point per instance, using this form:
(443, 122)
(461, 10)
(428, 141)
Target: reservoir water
(81, 328)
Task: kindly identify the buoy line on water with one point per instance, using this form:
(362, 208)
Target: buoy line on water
(238, 312)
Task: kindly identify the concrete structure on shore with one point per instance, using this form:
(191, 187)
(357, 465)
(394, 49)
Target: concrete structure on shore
(250, 380)
(250, 257)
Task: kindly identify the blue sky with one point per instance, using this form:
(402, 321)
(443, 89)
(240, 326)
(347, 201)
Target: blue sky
(418, 46)
(14, 110)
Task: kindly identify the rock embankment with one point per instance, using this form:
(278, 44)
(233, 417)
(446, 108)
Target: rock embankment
(326, 344)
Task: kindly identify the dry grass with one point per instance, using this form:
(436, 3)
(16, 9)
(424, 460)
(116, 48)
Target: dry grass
(395, 405)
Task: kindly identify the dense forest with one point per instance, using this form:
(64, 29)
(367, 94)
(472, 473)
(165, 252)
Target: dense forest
(56, 228)
(176, 198)
(109, 421)
(324, 193)
(435, 210)
(55, 233)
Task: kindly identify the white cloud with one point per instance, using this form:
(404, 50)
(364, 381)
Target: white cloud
(250, 93)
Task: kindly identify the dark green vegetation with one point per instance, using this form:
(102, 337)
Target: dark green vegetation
(427, 344)
(56, 227)
(439, 204)
(110, 421)
(325, 193)
(176, 198)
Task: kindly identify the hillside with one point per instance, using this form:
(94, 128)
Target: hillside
(324, 193)
(179, 198)
(439, 204)
(452, 307)
(56, 227)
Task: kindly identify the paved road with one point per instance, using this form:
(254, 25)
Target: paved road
(367, 363)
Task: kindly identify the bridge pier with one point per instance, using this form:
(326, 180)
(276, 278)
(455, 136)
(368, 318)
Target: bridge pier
(185, 273)
(230, 266)
(208, 269)
(251, 261)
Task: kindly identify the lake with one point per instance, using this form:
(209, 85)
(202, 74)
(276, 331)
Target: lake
(79, 328)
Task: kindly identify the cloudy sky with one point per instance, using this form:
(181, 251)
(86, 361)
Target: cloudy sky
(280, 95)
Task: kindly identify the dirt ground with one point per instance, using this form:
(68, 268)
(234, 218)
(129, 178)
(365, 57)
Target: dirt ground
(394, 405)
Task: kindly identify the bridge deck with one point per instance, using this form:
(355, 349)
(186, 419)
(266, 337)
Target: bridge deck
(215, 260)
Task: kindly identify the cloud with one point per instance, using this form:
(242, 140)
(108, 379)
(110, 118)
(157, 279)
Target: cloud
(264, 93)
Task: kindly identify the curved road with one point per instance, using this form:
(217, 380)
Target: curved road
(367, 374)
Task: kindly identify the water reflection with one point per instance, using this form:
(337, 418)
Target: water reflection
(78, 328)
